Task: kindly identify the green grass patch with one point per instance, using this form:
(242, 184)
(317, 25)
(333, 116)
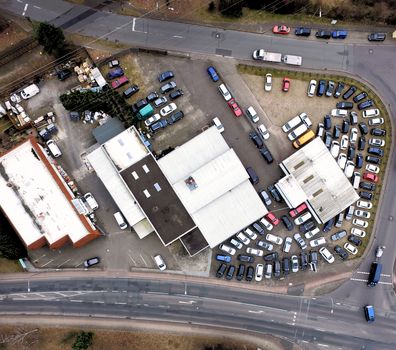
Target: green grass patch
(9, 266)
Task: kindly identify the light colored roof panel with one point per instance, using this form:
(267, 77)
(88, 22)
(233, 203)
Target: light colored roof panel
(185, 159)
(291, 191)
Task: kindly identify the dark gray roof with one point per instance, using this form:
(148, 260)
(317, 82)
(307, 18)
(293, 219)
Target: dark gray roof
(108, 130)
(194, 242)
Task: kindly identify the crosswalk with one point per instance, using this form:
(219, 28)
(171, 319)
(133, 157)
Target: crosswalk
(359, 277)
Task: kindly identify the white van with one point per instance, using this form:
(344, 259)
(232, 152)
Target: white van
(217, 123)
(252, 114)
(120, 220)
(297, 132)
(224, 91)
(356, 180)
(54, 149)
(291, 123)
(30, 91)
(371, 113)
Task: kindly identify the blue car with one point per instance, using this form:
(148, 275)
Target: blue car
(115, 73)
(213, 74)
(165, 76)
(224, 258)
(161, 124)
(339, 34)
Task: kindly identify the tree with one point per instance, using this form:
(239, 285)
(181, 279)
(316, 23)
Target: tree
(231, 8)
(11, 246)
(51, 38)
(83, 341)
(211, 6)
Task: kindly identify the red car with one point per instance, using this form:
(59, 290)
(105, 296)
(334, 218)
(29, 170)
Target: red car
(282, 29)
(370, 177)
(286, 84)
(119, 82)
(294, 212)
(272, 219)
(235, 108)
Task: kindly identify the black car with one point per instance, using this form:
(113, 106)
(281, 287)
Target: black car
(360, 97)
(361, 143)
(344, 105)
(313, 257)
(353, 239)
(271, 256)
(249, 273)
(323, 34)
(176, 94)
(336, 132)
(160, 124)
(64, 74)
(91, 262)
(134, 109)
(378, 132)
(141, 103)
(277, 269)
(338, 90)
(368, 186)
(341, 252)
(286, 265)
(274, 193)
(330, 88)
(152, 96)
(179, 115)
(365, 104)
(376, 37)
(256, 139)
(327, 139)
(353, 118)
(304, 261)
(327, 122)
(351, 152)
(363, 128)
(287, 222)
(352, 89)
(328, 225)
(373, 160)
(220, 271)
(366, 195)
(246, 258)
(345, 127)
(165, 76)
(301, 31)
(264, 151)
(241, 272)
(230, 272)
(321, 88)
(376, 151)
(133, 89)
(359, 161)
(307, 226)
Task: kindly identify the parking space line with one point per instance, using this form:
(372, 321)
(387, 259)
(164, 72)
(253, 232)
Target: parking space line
(80, 263)
(42, 256)
(358, 279)
(363, 272)
(64, 262)
(384, 275)
(47, 263)
(134, 262)
(143, 260)
(119, 303)
(98, 302)
(387, 283)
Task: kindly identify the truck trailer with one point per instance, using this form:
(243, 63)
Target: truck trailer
(262, 55)
(292, 59)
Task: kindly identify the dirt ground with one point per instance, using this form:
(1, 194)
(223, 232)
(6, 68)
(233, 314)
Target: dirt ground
(11, 36)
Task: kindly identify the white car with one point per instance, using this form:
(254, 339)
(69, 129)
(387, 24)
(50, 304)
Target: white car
(376, 121)
(364, 204)
(160, 262)
(349, 168)
(362, 214)
(312, 233)
(326, 255)
(268, 82)
(342, 113)
(312, 88)
(91, 201)
(259, 272)
(300, 241)
(152, 119)
(273, 239)
(344, 142)
(335, 148)
(341, 160)
(268, 270)
(305, 119)
(266, 224)
(294, 263)
(263, 131)
(320, 131)
(369, 113)
(376, 142)
(358, 232)
(250, 233)
(243, 238)
(350, 248)
(317, 242)
(356, 180)
(303, 218)
(353, 136)
(287, 244)
(252, 114)
(227, 249)
(360, 223)
(254, 251)
(236, 243)
(373, 168)
(168, 109)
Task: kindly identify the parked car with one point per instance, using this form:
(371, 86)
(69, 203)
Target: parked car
(320, 130)
(353, 136)
(159, 261)
(344, 105)
(212, 73)
(175, 117)
(152, 96)
(350, 248)
(287, 244)
(361, 143)
(160, 101)
(342, 113)
(230, 272)
(281, 29)
(323, 34)
(312, 233)
(330, 88)
(246, 258)
(370, 176)
(277, 269)
(168, 109)
(360, 97)
(223, 258)
(272, 218)
(327, 122)
(264, 197)
(294, 212)
(119, 82)
(321, 88)
(353, 118)
(328, 225)
(305, 227)
(268, 82)
(373, 168)
(167, 87)
(91, 201)
(336, 132)
(274, 193)
(355, 240)
(243, 238)
(335, 148)
(263, 131)
(165, 76)
(286, 265)
(339, 34)
(176, 94)
(362, 214)
(317, 242)
(303, 218)
(160, 124)
(302, 31)
(227, 249)
(342, 253)
(360, 223)
(91, 262)
(376, 37)
(363, 128)
(115, 73)
(326, 255)
(240, 272)
(358, 232)
(376, 151)
(268, 271)
(376, 142)
(271, 256)
(259, 272)
(250, 273)
(287, 222)
(274, 239)
(304, 261)
(265, 245)
(235, 107)
(376, 121)
(352, 89)
(285, 84)
(312, 88)
(366, 195)
(378, 132)
(365, 104)
(294, 263)
(266, 224)
(236, 243)
(364, 204)
(254, 251)
(338, 235)
(338, 90)
(221, 270)
(265, 152)
(300, 241)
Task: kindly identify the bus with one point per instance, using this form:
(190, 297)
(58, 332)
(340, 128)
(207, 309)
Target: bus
(302, 140)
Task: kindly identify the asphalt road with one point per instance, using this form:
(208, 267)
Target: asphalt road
(309, 320)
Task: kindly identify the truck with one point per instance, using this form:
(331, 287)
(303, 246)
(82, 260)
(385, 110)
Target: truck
(262, 55)
(292, 59)
(145, 112)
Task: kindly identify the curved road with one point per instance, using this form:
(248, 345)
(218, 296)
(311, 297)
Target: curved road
(373, 63)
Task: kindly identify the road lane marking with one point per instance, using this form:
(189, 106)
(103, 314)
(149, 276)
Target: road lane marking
(384, 275)
(119, 303)
(178, 36)
(363, 272)
(325, 345)
(358, 279)
(387, 283)
(190, 302)
(256, 311)
(37, 7)
(25, 8)
(98, 302)
(76, 301)
(159, 293)
(133, 24)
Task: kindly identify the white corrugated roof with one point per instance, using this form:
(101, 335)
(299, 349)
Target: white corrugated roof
(116, 186)
(291, 191)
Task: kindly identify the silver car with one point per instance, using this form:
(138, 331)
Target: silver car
(287, 244)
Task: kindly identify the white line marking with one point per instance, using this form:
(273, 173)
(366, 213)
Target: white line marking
(256, 311)
(178, 36)
(76, 301)
(37, 7)
(388, 283)
(19, 1)
(47, 263)
(185, 302)
(134, 262)
(358, 279)
(133, 24)
(363, 272)
(119, 303)
(143, 260)
(78, 264)
(385, 275)
(98, 302)
(325, 345)
(24, 10)
(64, 263)
(159, 293)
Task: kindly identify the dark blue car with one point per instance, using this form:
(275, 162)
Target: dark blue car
(212, 73)
(161, 124)
(339, 34)
(115, 73)
(165, 76)
(224, 258)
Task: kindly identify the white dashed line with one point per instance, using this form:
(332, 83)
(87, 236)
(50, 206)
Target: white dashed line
(98, 302)
(76, 301)
(119, 303)
(25, 9)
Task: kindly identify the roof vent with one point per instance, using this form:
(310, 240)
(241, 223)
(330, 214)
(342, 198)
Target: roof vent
(191, 184)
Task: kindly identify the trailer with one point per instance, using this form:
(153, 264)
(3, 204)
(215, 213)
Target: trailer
(292, 59)
(262, 55)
